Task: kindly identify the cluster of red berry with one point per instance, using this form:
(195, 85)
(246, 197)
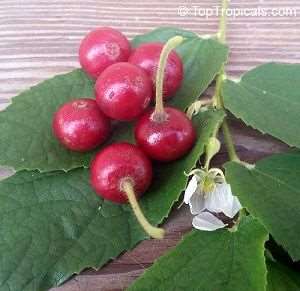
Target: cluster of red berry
(126, 81)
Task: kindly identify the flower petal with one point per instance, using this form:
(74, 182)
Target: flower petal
(190, 189)
(197, 203)
(233, 205)
(236, 206)
(222, 200)
(207, 221)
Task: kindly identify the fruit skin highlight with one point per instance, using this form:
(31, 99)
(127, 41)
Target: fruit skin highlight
(123, 91)
(146, 56)
(117, 163)
(80, 125)
(101, 48)
(165, 140)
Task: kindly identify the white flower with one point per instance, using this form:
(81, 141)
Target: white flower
(208, 208)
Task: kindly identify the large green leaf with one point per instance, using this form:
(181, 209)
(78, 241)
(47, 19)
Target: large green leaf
(271, 192)
(27, 141)
(282, 278)
(206, 261)
(52, 224)
(202, 59)
(268, 99)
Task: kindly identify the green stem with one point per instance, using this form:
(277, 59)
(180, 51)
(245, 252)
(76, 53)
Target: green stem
(229, 143)
(222, 38)
(168, 47)
(153, 231)
(223, 22)
(218, 99)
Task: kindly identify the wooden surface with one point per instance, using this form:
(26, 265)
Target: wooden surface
(39, 38)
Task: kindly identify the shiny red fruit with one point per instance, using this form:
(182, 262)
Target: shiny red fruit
(80, 125)
(101, 48)
(116, 163)
(123, 91)
(166, 140)
(146, 56)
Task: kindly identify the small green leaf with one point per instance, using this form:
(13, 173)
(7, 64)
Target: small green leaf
(268, 99)
(202, 59)
(206, 261)
(271, 192)
(282, 278)
(53, 225)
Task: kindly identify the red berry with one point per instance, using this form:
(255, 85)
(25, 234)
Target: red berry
(101, 48)
(121, 173)
(123, 91)
(80, 125)
(147, 56)
(165, 140)
(117, 163)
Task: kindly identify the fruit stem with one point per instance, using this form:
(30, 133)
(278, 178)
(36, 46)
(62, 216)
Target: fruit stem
(153, 231)
(229, 142)
(223, 22)
(168, 47)
(218, 98)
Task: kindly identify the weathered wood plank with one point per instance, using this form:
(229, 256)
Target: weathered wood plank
(40, 38)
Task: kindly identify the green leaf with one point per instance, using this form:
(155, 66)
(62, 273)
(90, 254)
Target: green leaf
(202, 59)
(268, 99)
(271, 192)
(282, 278)
(161, 34)
(206, 261)
(53, 225)
(27, 141)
